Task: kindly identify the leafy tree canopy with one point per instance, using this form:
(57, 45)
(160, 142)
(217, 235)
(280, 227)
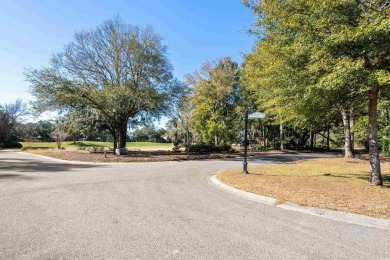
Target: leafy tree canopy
(118, 69)
(318, 57)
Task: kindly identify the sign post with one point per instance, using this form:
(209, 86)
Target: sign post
(250, 116)
(245, 166)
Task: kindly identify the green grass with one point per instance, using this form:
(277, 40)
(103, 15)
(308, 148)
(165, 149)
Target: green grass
(42, 145)
(143, 144)
(46, 145)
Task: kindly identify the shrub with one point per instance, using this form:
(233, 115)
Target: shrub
(263, 148)
(203, 148)
(95, 149)
(11, 145)
(176, 148)
(385, 143)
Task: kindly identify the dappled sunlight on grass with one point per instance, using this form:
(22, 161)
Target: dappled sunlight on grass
(331, 183)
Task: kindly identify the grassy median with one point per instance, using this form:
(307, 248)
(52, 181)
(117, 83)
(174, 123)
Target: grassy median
(329, 183)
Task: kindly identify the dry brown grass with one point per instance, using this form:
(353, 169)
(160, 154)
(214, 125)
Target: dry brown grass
(329, 183)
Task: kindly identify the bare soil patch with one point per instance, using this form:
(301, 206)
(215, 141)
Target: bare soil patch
(329, 183)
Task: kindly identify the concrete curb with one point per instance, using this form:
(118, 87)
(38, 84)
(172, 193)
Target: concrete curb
(329, 214)
(244, 194)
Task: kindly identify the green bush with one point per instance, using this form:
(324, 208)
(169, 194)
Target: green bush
(385, 145)
(264, 148)
(95, 149)
(176, 147)
(202, 148)
(11, 145)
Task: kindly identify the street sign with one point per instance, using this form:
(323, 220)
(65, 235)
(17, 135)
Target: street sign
(247, 116)
(256, 115)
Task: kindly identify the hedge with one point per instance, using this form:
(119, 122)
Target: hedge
(11, 145)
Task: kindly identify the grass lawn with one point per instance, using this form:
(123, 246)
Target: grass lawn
(43, 145)
(46, 145)
(329, 183)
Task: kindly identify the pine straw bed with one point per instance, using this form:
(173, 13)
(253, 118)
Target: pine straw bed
(329, 183)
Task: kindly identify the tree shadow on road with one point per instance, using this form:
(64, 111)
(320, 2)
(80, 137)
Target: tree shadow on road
(284, 158)
(31, 165)
(14, 176)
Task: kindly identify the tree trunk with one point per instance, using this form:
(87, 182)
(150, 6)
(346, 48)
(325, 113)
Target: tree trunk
(187, 137)
(375, 173)
(113, 132)
(281, 137)
(351, 124)
(122, 131)
(328, 139)
(311, 139)
(347, 135)
(274, 139)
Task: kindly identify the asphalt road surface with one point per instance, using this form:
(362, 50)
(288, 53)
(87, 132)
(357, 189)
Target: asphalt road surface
(52, 209)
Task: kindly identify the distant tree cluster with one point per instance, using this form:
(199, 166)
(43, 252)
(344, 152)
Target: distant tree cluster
(10, 116)
(210, 111)
(149, 133)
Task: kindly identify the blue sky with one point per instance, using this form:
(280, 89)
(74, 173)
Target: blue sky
(194, 31)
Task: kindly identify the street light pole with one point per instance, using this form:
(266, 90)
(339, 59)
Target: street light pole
(245, 166)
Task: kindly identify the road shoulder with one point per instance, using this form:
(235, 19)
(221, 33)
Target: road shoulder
(330, 214)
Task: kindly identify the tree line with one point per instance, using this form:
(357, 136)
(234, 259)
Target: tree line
(319, 70)
(317, 61)
(14, 127)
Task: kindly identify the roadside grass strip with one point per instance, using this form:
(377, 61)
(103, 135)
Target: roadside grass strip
(328, 183)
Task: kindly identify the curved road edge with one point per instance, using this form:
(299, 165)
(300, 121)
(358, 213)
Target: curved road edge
(325, 213)
(79, 162)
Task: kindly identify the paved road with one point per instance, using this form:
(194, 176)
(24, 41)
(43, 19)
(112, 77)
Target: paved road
(61, 210)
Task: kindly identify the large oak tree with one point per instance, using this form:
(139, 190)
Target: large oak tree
(120, 70)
